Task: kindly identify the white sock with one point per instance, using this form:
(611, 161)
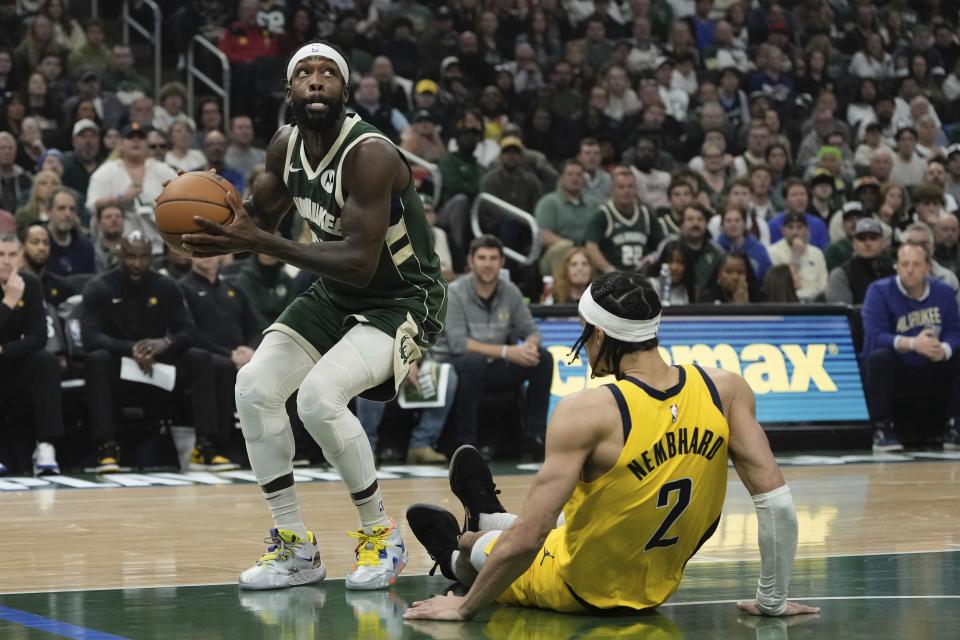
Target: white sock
(500, 521)
(371, 512)
(286, 511)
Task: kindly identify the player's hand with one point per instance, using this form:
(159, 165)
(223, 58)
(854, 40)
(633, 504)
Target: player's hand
(524, 355)
(240, 234)
(413, 375)
(928, 345)
(143, 357)
(446, 608)
(794, 608)
(13, 289)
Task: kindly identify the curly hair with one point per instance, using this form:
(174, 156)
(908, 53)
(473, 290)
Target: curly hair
(627, 295)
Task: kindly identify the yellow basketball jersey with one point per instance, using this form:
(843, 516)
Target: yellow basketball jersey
(629, 533)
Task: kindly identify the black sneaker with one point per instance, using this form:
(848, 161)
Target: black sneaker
(951, 435)
(472, 483)
(438, 531)
(885, 438)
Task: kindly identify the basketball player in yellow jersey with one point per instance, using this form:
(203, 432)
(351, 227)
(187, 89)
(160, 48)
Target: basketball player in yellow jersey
(639, 470)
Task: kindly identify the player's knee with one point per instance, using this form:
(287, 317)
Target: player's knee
(317, 405)
(257, 389)
(882, 357)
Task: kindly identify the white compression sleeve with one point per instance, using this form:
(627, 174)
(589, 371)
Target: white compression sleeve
(778, 547)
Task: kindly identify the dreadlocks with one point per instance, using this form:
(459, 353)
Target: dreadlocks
(626, 295)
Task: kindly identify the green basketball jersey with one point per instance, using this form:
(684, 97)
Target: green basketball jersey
(624, 240)
(408, 272)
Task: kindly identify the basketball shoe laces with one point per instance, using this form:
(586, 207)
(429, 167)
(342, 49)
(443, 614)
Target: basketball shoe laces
(278, 549)
(370, 545)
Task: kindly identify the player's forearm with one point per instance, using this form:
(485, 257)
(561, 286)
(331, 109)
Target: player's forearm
(509, 559)
(340, 261)
(778, 546)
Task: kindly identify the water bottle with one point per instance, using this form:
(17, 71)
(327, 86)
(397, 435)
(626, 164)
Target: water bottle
(664, 285)
(547, 296)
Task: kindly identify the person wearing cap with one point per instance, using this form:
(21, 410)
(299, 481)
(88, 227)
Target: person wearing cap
(795, 249)
(841, 249)
(822, 187)
(908, 166)
(797, 200)
(425, 95)
(109, 108)
(866, 191)
(911, 346)
(422, 137)
(81, 162)
(868, 262)
(946, 233)
(512, 182)
(676, 101)
(132, 181)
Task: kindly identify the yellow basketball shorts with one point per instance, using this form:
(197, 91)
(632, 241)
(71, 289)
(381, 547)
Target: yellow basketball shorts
(540, 585)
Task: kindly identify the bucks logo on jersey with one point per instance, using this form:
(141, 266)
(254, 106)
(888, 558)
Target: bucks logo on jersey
(408, 270)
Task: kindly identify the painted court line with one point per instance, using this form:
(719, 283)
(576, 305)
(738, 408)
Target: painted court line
(66, 630)
(817, 598)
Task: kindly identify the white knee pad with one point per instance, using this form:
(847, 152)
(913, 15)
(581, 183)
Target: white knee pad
(480, 551)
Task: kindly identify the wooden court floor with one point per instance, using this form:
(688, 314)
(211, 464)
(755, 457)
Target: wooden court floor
(877, 550)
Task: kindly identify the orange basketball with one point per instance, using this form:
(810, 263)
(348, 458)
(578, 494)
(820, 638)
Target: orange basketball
(198, 193)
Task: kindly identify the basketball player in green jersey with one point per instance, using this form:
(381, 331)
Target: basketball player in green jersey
(378, 306)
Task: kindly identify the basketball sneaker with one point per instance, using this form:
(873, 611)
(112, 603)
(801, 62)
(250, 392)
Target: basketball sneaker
(204, 457)
(885, 437)
(472, 482)
(108, 456)
(437, 530)
(951, 436)
(290, 561)
(381, 556)
(45, 460)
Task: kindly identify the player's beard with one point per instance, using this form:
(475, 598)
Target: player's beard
(317, 121)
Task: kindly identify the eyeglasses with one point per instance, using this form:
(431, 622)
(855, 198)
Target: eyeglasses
(158, 146)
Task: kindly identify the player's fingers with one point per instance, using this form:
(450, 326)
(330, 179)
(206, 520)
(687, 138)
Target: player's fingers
(209, 225)
(233, 199)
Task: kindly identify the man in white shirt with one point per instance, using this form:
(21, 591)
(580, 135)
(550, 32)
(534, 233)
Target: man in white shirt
(241, 154)
(675, 101)
(794, 249)
(908, 167)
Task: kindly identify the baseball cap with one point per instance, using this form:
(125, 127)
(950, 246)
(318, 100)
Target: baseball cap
(423, 116)
(448, 62)
(867, 227)
(84, 124)
(507, 142)
(952, 149)
(426, 86)
(87, 74)
(662, 60)
(135, 129)
(865, 181)
(822, 175)
(444, 13)
(851, 208)
(792, 217)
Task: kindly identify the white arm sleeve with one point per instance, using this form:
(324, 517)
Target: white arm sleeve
(778, 546)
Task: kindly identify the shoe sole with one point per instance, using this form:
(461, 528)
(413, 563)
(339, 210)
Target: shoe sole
(443, 513)
(193, 466)
(887, 448)
(107, 469)
(298, 579)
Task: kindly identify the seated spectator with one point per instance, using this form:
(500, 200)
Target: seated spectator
(733, 282)
(170, 107)
(848, 282)
(866, 192)
(623, 230)
(928, 204)
(70, 250)
(7, 222)
(936, 175)
(121, 75)
(563, 216)
(132, 181)
(107, 236)
(679, 196)
(142, 109)
(241, 154)
(134, 312)
(871, 145)
(758, 137)
(35, 241)
(15, 183)
(947, 233)
(79, 164)
(215, 151)
(681, 274)
(110, 111)
(781, 284)
(911, 343)
(227, 328)
(26, 368)
(424, 437)
(367, 104)
(182, 156)
(461, 175)
(158, 145)
(794, 249)
(35, 209)
(571, 277)
(922, 234)
(93, 53)
(652, 184)
(908, 166)
(797, 201)
(841, 250)
(267, 286)
(486, 317)
(510, 181)
(422, 138)
(440, 242)
(703, 253)
(598, 184)
(734, 237)
(39, 39)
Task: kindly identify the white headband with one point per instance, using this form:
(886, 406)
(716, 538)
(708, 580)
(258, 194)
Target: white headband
(318, 49)
(615, 326)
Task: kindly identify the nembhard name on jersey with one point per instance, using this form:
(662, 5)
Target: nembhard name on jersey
(681, 442)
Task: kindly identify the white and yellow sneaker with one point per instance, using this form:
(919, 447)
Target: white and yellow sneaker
(381, 556)
(290, 561)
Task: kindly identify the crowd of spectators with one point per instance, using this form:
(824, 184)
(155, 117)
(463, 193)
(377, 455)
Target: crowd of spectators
(733, 151)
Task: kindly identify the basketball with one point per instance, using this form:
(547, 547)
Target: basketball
(198, 193)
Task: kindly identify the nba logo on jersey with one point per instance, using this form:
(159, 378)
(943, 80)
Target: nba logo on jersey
(326, 180)
(674, 412)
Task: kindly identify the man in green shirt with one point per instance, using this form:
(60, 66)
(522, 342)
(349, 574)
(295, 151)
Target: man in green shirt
(461, 175)
(93, 54)
(563, 216)
(840, 251)
(704, 254)
(623, 230)
(122, 76)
